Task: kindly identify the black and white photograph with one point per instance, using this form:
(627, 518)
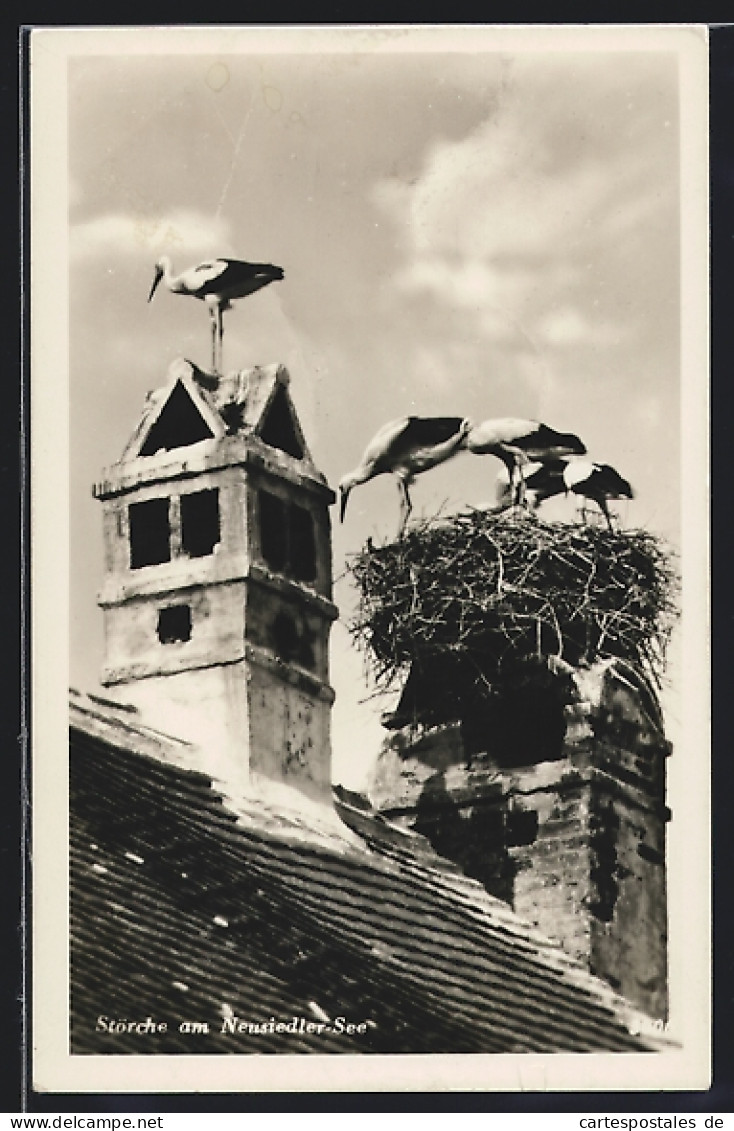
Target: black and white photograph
(369, 391)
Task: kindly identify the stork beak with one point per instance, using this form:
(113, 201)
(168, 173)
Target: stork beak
(344, 492)
(156, 280)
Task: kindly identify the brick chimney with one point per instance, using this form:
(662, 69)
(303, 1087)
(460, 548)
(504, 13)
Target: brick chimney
(554, 798)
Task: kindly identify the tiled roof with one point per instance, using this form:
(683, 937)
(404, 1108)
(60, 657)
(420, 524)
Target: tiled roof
(185, 907)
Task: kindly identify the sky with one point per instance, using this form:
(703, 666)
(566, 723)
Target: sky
(478, 227)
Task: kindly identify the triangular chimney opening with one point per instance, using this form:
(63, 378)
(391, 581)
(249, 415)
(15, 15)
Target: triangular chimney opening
(278, 429)
(179, 424)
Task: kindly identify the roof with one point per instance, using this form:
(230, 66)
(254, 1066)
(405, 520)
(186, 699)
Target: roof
(190, 906)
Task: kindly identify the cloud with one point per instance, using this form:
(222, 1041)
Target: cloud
(468, 283)
(569, 326)
(550, 210)
(120, 234)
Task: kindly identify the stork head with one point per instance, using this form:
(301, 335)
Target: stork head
(345, 487)
(159, 270)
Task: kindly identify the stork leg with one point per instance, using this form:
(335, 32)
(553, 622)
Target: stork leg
(517, 482)
(605, 511)
(214, 339)
(521, 490)
(220, 335)
(405, 506)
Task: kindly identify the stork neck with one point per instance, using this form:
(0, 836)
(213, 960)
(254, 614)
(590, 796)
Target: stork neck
(173, 282)
(355, 478)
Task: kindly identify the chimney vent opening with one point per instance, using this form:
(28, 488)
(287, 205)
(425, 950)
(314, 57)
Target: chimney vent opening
(287, 537)
(150, 533)
(278, 430)
(200, 530)
(179, 425)
(273, 535)
(174, 624)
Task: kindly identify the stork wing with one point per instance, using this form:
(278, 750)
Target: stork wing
(502, 430)
(547, 477)
(232, 278)
(425, 432)
(383, 441)
(399, 439)
(606, 480)
(239, 279)
(201, 276)
(545, 439)
(405, 438)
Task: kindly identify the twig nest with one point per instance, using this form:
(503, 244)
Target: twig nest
(482, 597)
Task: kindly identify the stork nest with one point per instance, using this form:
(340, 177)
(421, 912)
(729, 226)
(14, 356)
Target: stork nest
(494, 594)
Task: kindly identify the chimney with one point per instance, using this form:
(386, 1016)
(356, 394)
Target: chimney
(554, 798)
(217, 591)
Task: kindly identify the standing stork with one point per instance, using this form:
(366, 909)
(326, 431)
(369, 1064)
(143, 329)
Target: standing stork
(598, 482)
(583, 477)
(517, 443)
(405, 448)
(216, 283)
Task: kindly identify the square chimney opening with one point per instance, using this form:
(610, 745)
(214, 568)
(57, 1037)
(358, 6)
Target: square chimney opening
(174, 624)
(287, 537)
(150, 533)
(200, 531)
(273, 531)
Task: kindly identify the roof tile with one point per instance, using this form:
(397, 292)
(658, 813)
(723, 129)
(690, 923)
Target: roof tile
(187, 906)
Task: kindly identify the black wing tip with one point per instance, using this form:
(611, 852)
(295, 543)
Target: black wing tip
(433, 429)
(454, 422)
(271, 270)
(570, 440)
(575, 444)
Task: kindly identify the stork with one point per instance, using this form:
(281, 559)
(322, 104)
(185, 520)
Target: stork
(596, 481)
(544, 480)
(216, 283)
(405, 448)
(517, 443)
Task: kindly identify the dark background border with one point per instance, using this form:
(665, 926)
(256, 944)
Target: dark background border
(15, 1093)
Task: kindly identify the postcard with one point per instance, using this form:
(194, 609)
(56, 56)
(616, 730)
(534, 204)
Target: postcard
(369, 385)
